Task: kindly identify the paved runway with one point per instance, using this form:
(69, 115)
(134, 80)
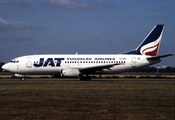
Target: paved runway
(131, 80)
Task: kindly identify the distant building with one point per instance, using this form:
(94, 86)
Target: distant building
(164, 66)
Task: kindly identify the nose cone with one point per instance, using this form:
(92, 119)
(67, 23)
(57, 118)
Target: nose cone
(5, 67)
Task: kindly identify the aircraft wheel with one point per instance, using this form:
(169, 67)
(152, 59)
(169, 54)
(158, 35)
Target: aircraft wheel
(22, 79)
(88, 78)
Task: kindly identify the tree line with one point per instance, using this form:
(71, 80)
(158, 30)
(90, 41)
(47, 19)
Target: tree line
(1, 64)
(156, 70)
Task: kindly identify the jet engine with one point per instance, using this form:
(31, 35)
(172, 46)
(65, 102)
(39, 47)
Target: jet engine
(69, 72)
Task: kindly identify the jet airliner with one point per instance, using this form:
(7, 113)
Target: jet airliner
(81, 65)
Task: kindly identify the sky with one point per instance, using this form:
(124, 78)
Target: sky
(30, 27)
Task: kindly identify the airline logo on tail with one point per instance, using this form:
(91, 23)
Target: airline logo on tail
(150, 45)
(151, 48)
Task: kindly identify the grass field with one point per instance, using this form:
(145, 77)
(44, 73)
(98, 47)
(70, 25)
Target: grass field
(87, 100)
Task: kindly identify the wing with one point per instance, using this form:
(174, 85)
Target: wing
(93, 69)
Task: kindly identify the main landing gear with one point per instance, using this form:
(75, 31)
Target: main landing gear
(20, 76)
(85, 78)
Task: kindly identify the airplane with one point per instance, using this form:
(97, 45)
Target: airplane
(81, 65)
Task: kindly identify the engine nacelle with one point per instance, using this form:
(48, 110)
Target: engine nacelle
(68, 72)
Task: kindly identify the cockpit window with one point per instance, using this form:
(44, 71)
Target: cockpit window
(14, 61)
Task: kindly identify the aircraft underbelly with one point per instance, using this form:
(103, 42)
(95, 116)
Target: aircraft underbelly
(46, 71)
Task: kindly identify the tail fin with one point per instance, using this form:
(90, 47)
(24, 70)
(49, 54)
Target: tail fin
(150, 45)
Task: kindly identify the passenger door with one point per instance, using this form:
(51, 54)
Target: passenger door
(29, 62)
(133, 61)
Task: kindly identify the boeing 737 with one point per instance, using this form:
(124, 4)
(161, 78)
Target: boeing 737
(80, 65)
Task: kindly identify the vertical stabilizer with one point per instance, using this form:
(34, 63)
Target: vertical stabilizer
(150, 45)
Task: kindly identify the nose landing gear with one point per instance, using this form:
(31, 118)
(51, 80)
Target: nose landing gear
(22, 78)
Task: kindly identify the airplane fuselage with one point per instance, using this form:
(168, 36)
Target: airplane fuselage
(53, 64)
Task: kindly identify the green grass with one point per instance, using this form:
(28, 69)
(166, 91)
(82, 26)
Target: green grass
(87, 100)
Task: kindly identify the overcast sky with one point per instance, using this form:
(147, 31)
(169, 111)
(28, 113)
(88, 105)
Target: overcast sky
(84, 26)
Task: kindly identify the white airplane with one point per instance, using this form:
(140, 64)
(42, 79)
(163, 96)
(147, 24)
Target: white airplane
(80, 65)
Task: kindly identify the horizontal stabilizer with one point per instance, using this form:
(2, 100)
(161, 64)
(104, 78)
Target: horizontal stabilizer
(162, 56)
